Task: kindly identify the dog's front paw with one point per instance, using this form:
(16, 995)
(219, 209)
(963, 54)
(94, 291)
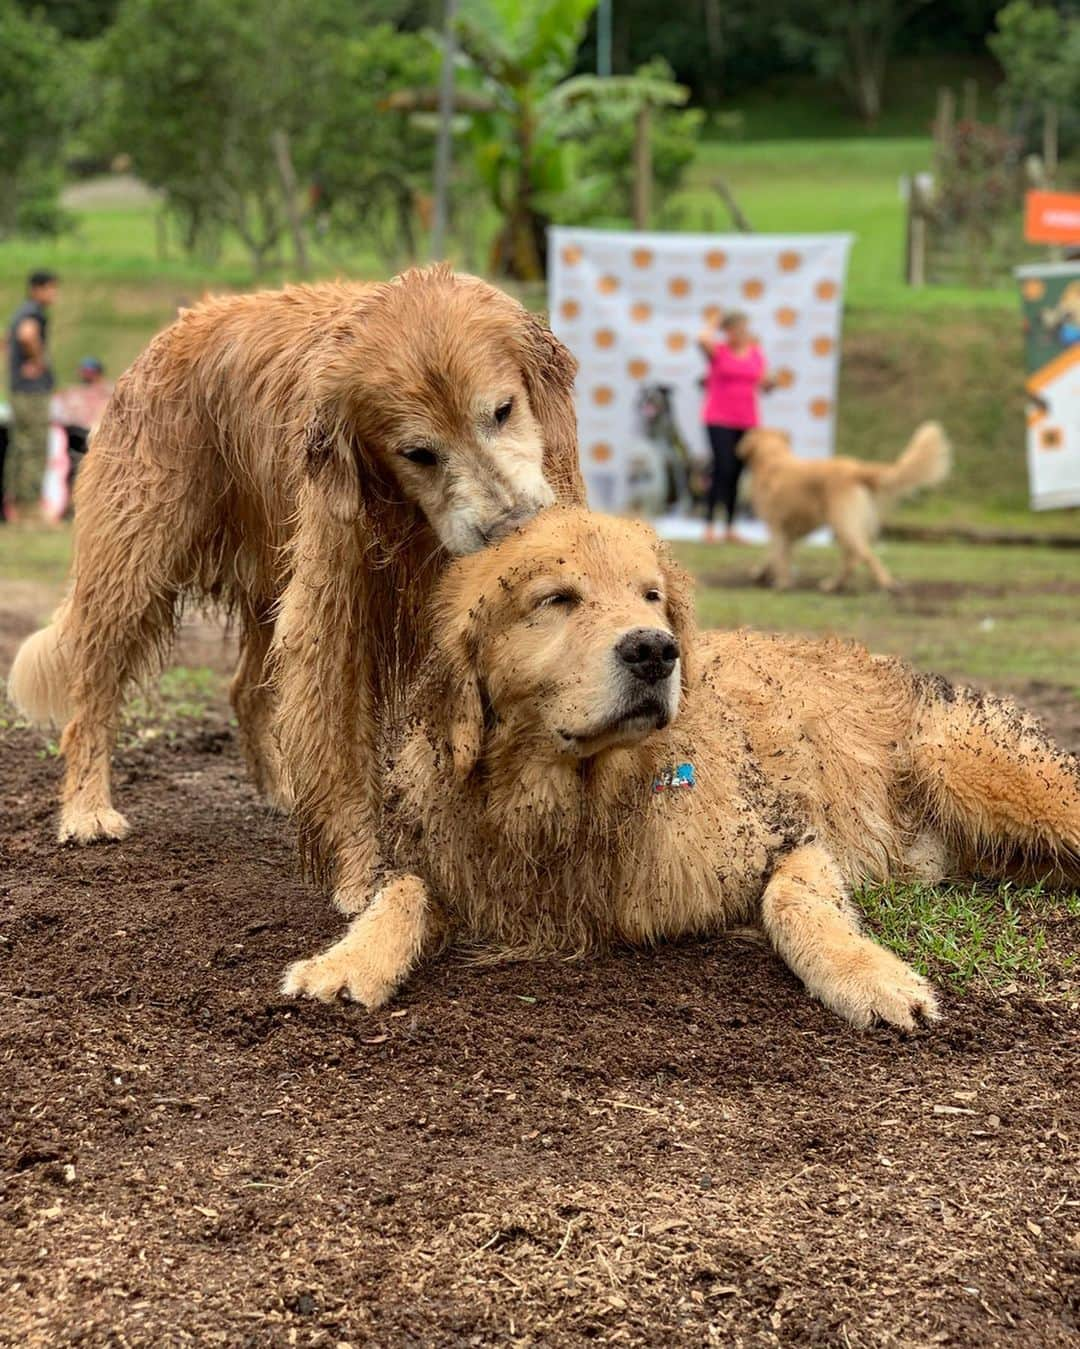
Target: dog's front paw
(336, 974)
(92, 826)
(877, 986)
(351, 899)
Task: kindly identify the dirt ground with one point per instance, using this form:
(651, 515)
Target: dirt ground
(667, 1148)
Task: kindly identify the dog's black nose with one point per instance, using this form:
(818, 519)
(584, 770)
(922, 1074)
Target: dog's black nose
(648, 653)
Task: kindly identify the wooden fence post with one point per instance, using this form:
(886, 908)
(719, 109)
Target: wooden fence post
(279, 139)
(1050, 141)
(944, 119)
(642, 167)
(916, 236)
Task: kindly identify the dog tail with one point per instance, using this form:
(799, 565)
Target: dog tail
(40, 677)
(1001, 793)
(924, 463)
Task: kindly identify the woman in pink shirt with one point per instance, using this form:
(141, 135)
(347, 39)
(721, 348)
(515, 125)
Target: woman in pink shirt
(736, 373)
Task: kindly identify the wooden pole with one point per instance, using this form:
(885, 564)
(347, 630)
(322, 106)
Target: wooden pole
(604, 24)
(944, 118)
(971, 101)
(1050, 141)
(643, 167)
(443, 146)
(287, 174)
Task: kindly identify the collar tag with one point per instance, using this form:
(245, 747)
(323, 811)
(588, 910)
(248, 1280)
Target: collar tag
(672, 779)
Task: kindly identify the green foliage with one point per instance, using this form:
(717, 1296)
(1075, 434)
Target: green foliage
(34, 108)
(195, 92)
(598, 129)
(73, 18)
(369, 163)
(849, 41)
(1039, 51)
(514, 56)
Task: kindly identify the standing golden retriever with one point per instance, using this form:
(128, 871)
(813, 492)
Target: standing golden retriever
(576, 768)
(380, 426)
(796, 496)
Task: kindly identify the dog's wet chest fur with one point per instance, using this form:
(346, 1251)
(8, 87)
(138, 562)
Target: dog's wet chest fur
(593, 853)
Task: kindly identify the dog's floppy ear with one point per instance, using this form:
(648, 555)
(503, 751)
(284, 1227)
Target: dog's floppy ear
(548, 370)
(679, 592)
(332, 462)
(457, 694)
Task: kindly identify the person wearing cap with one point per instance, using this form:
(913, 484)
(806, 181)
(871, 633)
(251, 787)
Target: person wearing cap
(31, 379)
(78, 409)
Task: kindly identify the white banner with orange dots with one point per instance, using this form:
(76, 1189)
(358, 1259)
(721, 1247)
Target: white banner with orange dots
(630, 307)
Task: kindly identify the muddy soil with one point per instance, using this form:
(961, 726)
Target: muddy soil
(676, 1147)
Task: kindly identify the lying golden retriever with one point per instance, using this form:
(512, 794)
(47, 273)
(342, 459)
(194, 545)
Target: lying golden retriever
(576, 768)
(796, 496)
(346, 437)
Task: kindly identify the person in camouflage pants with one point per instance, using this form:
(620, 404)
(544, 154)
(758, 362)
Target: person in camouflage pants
(31, 390)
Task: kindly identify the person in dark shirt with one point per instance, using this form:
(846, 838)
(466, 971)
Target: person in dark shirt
(31, 381)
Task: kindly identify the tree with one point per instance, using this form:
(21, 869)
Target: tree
(598, 127)
(370, 164)
(1039, 51)
(847, 40)
(73, 18)
(33, 115)
(516, 55)
(204, 94)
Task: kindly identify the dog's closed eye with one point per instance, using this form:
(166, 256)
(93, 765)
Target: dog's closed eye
(558, 599)
(421, 455)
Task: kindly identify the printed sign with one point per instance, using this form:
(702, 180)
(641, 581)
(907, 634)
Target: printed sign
(1051, 301)
(630, 307)
(1052, 217)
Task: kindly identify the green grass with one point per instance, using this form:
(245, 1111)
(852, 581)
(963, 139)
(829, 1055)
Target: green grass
(182, 692)
(1000, 615)
(832, 186)
(37, 556)
(980, 936)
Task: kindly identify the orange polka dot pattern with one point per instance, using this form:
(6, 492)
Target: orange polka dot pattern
(631, 309)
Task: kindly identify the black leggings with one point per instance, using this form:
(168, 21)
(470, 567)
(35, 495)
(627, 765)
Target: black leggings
(727, 468)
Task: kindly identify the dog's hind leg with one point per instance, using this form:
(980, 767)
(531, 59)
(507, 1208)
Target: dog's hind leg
(854, 522)
(843, 574)
(814, 927)
(133, 553)
(777, 565)
(375, 955)
(252, 700)
(993, 784)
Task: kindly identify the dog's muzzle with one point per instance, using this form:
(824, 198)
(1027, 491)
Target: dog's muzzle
(506, 523)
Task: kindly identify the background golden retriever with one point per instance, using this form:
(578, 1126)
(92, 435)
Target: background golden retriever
(567, 684)
(395, 422)
(796, 496)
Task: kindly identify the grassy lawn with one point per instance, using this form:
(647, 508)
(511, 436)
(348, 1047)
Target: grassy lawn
(1002, 616)
(833, 186)
(981, 936)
